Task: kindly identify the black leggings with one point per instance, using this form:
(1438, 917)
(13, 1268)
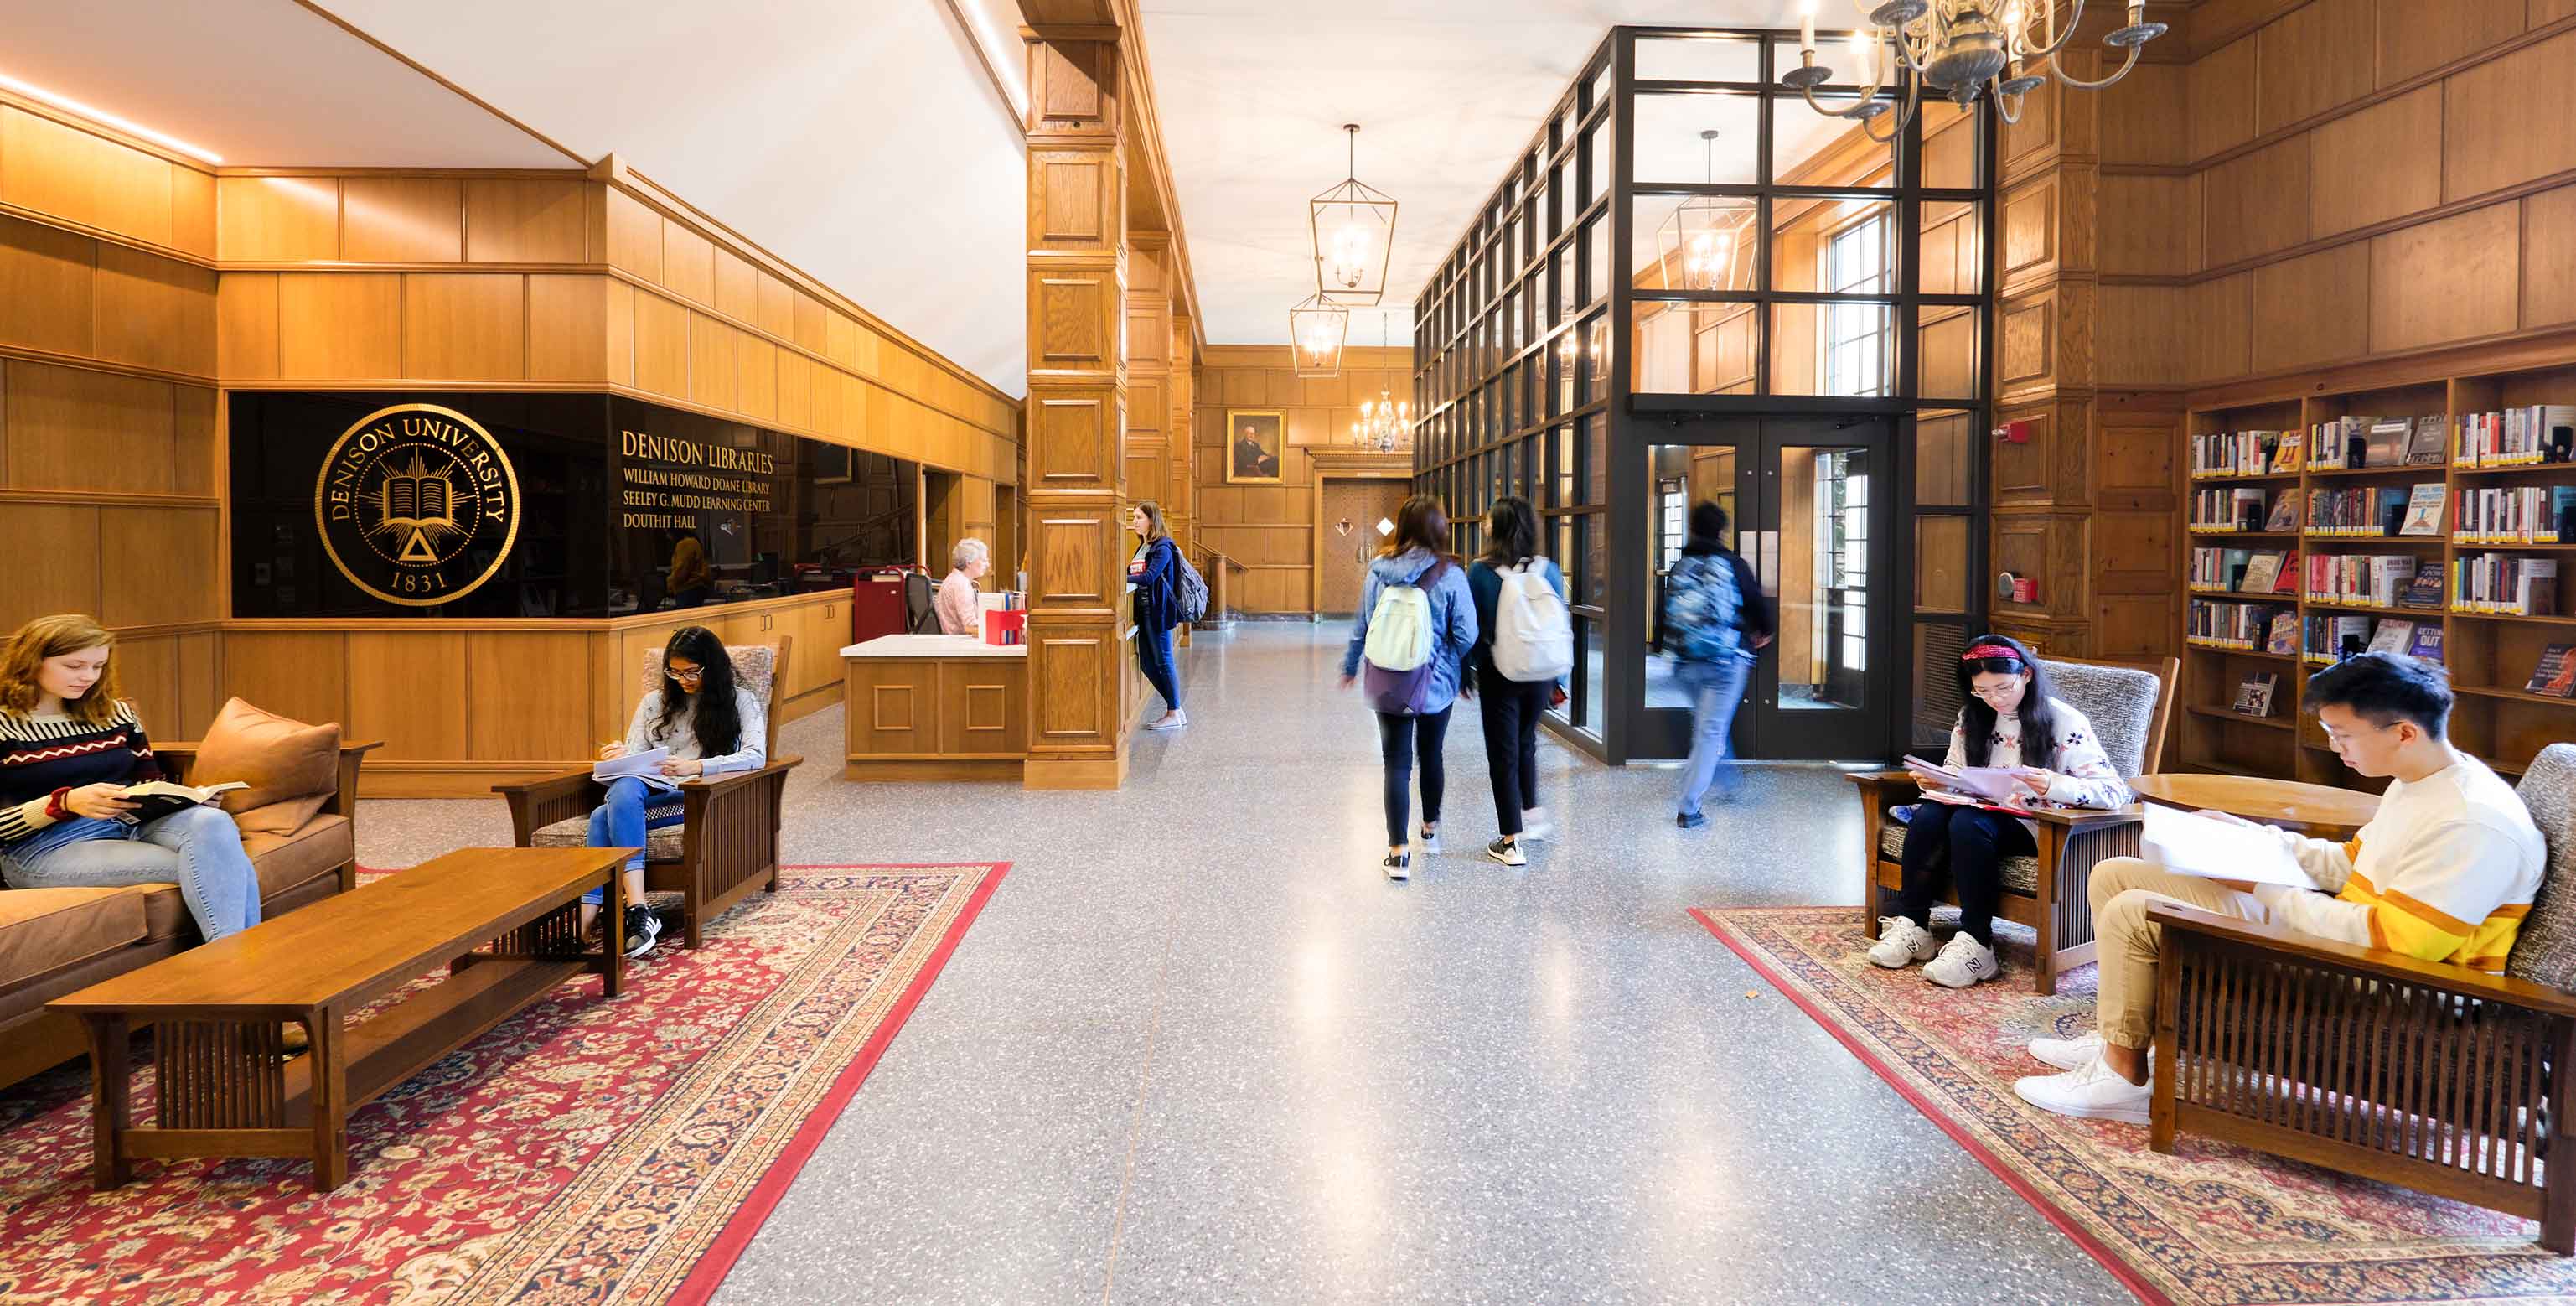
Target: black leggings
(1398, 739)
(1511, 713)
(1974, 843)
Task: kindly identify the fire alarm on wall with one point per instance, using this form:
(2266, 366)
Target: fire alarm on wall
(2017, 432)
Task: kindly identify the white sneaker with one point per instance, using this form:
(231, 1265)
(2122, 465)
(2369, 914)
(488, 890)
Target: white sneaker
(1962, 963)
(1429, 843)
(2092, 1091)
(1535, 825)
(2067, 1053)
(1398, 866)
(1173, 720)
(1509, 854)
(1901, 943)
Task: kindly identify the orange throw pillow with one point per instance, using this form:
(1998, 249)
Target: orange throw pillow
(291, 768)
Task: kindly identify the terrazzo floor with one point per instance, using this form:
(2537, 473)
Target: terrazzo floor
(1198, 1050)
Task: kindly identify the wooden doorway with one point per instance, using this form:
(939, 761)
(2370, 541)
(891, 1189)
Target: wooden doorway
(1348, 509)
(941, 518)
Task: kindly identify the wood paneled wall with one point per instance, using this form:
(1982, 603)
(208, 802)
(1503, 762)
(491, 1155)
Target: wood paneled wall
(109, 452)
(1269, 529)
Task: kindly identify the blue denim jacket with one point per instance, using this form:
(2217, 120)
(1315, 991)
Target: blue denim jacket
(1453, 616)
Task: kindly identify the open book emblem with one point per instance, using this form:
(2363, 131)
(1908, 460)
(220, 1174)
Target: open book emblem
(417, 505)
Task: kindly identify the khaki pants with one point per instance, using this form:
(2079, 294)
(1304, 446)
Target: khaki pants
(2122, 888)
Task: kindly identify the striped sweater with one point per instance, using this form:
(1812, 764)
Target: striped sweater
(2444, 872)
(39, 755)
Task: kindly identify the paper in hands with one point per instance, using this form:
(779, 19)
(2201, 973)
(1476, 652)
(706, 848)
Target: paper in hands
(646, 765)
(1973, 784)
(2186, 844)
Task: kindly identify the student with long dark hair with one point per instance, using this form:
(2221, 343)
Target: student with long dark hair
(2007, 700)
(1511, 707)
(1155, 572)
(1440, 608)
(711, 725)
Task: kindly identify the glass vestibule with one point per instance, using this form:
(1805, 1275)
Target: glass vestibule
(1687, 257)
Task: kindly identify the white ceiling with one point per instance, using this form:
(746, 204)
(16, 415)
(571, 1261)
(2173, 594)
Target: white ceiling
(258, 82)
(1253, 94)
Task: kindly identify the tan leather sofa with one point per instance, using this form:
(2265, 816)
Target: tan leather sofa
(58, 941)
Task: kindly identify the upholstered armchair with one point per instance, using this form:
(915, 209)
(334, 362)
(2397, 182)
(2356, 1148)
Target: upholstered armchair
(2129, 707)
(727, 844)
(2421, 1074)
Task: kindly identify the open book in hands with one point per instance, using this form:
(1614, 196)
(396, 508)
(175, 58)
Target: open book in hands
(646, 766)
(2189, 844)
(154, 799)
(1975, 786)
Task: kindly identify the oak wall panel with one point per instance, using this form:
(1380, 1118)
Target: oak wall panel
(2454, 279)
(714, 361)
(277, 219)
(661, 345)
(53, 553)
(2312, 309)
(465, 326)
(2381, 163)
(2417, 35)
(192, 219)
(154, 312)
(156, 565)
(45, 287)
(71, 428)
(246, 326)
(524, 220)
(688, 264)
(527, 699)
(407, 688)
(2148, 225)
(2221, 314)
(299, 674)
(192, 452)
(2221, 99)
(2549, 258)
(402, 219)
(2505, 129)
(737, 287)
(634, 236)
(339, 326)
(2256, 203)
(756, 390)
(567, 329)
(90, 180)
(2312, 59)
(777, 307)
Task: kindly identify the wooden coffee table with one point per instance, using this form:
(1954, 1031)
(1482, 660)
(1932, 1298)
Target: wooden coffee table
(507, 919)
(2319, 810)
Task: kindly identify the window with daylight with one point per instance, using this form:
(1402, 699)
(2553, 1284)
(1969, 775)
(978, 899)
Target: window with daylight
(1856, 335)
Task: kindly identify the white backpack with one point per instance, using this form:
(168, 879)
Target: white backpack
(1399, 629)
(1533, 635)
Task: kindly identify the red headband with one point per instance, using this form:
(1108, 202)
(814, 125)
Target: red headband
(1982, 652)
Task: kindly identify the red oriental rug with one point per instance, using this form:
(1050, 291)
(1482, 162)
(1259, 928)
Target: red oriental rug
(583, 1151)
(2210, 1224)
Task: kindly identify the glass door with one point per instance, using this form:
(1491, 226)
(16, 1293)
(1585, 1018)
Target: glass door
(1810, 510)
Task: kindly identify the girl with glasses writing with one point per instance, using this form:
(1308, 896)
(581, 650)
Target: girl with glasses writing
(2011, 720)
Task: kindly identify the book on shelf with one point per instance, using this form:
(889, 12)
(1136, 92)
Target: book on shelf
(2515, 437)
(2423, 510)
(2337, 443)
(2426, 448)
(2391, 636)
(2427, 642)
(2262, 573)
(2425, 590)
(2228, 625)
(2555, 674)
(2332, 637)
(2506, 585)
(2254, 694)
(2517, 514)
(2386, 442)
(2242, 453)
(2371, 580)
(2284, 636)
(2360, 510)
(2285, 513)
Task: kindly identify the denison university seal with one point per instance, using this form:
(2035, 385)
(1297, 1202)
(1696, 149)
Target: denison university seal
(417, 505)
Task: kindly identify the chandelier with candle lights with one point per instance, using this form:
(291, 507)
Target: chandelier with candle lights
(1385, 424)
(1316, 330)
(1959, 49)
(1353, 227)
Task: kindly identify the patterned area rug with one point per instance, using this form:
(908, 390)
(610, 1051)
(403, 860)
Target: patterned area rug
(2210, 1224)
(583, 1151)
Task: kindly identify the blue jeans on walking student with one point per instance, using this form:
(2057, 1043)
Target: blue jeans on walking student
(1715, 689)
(1154, 658)
(197, 848)
(632, 808)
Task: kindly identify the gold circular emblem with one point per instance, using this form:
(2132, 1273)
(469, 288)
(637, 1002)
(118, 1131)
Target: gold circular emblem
(412, 500)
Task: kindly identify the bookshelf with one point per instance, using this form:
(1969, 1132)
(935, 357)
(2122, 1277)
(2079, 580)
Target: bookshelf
(2491, 655)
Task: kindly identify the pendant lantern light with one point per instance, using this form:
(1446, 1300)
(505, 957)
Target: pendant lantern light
(1703, 243)
(1316, 331)
(1353, 228)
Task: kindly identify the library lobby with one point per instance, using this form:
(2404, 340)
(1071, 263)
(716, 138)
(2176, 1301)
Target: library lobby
(893, 652)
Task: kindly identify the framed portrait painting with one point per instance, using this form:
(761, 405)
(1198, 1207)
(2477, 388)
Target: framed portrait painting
(1256, 441)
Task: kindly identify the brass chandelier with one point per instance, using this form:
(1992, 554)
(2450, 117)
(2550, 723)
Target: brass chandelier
(1960, 49)
(1701, 243)
(1352, 226)
(1316, 330)
(1385, 424)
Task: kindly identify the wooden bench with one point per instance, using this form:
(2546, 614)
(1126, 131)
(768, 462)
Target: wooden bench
(506, 919)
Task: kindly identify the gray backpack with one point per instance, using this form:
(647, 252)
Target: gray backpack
(1189, 588)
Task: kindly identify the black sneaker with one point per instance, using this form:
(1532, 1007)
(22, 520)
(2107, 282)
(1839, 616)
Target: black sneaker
(1398, 866)
(642, 928)
(1506, 851)
(1690, 820)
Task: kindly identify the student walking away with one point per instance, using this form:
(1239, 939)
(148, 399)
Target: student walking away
(1415, 624)
(2444, 873)
(710, 725)
(1712, 617)
(2008, 701)
(1524, 647)
(1156, 572)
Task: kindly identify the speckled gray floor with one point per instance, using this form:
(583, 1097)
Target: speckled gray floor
(1198, 1050)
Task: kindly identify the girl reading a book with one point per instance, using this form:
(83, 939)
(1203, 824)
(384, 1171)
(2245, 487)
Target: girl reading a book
(68, 748)
(710, 725)
(2008, 701)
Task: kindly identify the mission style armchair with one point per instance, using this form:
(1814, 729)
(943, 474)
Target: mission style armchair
(2422, 1074)
(727, 843)
(2129, 706)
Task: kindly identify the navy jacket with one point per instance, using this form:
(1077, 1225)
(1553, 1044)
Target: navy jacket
(1157, 608)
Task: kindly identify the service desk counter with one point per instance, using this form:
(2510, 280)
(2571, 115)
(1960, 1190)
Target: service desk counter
(934, 707)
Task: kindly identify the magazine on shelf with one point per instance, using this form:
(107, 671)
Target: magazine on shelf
(2423, 510)
(2385, 444)
(2425, 590)
(2556, 674)
(2254, 693)
(2426, 448)
(2391, 637)
(2427, 642)
(2212, 849)
(2285, 634)
(2285, 512)
(154, 799)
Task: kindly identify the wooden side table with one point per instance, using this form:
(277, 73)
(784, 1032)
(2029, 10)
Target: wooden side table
(2319, 810)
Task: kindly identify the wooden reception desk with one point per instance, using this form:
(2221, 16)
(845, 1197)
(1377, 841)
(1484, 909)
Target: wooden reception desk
(934, 707)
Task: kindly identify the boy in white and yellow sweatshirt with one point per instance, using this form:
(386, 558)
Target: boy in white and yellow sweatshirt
(2445, 871)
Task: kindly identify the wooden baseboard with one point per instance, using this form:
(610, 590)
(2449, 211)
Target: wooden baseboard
(932, 769)
(1077, 773)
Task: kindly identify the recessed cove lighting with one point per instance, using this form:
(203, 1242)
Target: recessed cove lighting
(71, 105)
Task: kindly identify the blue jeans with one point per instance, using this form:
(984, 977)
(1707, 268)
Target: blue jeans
(1715, 689)
(1154, 657)
(197, 848)
(632, 808)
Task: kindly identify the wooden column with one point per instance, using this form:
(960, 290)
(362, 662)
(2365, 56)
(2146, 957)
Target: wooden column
(1076, 479)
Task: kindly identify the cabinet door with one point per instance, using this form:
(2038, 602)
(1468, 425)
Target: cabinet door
(983, 708)
(894, 710)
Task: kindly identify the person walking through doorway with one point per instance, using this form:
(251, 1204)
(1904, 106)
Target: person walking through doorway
(1713, 618)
